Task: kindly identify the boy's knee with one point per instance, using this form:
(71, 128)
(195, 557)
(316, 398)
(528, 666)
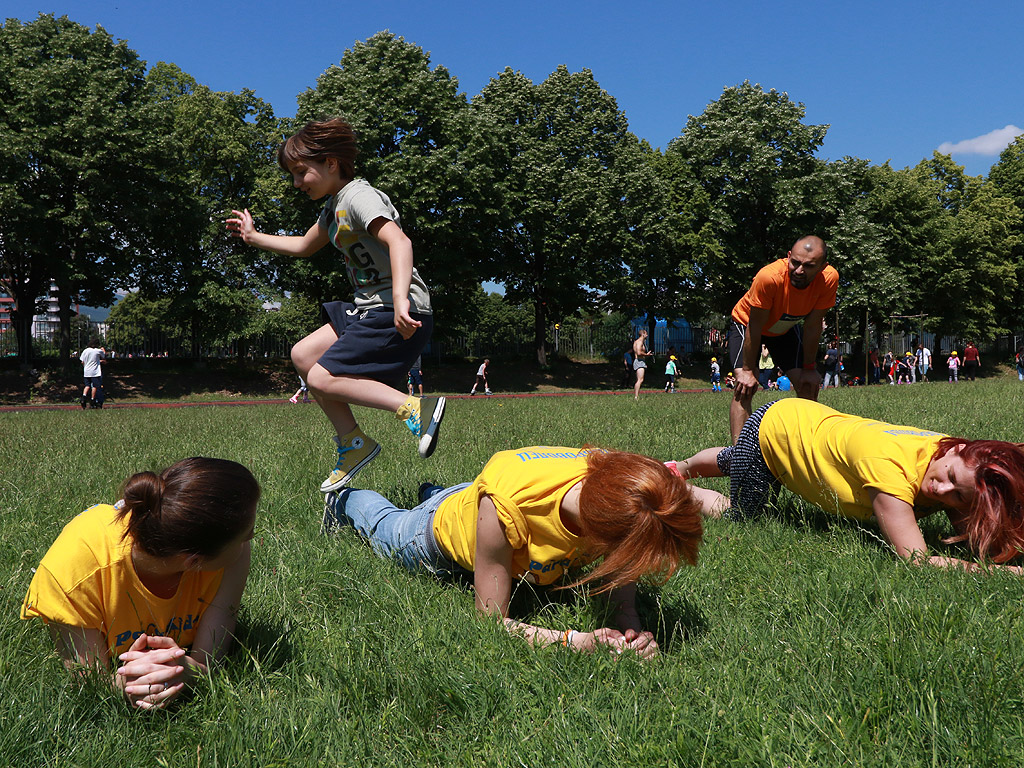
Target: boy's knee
(318, 378)
(302, 358)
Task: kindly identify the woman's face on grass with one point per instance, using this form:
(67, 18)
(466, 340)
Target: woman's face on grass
(949, 481)
(232, 550)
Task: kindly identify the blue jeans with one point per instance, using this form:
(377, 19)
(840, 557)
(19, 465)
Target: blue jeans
(405, 535)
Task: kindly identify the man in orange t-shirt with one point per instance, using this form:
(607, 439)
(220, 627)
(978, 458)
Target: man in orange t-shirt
(801, 286)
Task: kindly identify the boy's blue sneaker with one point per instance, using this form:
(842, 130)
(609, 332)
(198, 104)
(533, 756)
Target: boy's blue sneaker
(427, 433)
(428, 489)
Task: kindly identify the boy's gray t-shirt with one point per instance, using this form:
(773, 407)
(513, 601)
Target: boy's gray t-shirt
(346, 217)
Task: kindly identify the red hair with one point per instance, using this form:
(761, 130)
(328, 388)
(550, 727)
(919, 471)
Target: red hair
(638, 516)
(320, 140)
(994, 525)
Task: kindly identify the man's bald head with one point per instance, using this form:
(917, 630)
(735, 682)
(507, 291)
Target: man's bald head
(807, 259)
(810, 245)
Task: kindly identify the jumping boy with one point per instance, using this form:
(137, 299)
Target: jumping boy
(362, 354)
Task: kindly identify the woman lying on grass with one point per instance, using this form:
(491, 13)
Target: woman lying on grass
(534, 513)
(154, 580)
(873, 471)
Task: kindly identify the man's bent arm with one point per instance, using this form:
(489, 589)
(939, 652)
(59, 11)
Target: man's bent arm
(812, 337)
(752, 340)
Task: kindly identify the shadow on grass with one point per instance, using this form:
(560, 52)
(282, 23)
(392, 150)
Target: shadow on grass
(793, 511)
(262, 645)
(671, 620)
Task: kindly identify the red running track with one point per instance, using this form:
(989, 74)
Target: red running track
(209, 403)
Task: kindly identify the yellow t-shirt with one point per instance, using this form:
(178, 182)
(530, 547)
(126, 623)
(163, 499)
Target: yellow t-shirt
(832, 459)
(86, 579)
(527, 486)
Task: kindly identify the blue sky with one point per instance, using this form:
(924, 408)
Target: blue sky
(896, 80)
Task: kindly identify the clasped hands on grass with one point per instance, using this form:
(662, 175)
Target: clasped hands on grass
(154, 671)
(640, 642)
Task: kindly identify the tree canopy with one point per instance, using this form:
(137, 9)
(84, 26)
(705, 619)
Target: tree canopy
(82, 156)
(537, 185)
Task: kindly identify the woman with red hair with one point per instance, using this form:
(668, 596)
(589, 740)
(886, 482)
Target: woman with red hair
(535, 513)
(878, 472)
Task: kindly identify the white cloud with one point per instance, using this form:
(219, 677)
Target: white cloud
(991, 143)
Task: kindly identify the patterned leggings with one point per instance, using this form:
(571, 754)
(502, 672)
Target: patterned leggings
(751, 483)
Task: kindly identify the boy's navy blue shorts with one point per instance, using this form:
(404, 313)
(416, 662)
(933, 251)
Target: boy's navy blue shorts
(369, 345)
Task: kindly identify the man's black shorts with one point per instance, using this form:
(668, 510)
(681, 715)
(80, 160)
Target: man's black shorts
(786, 350)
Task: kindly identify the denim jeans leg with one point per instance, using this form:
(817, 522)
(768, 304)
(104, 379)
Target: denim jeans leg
(393, 533)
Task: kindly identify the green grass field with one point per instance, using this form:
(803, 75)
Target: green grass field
(796, 641)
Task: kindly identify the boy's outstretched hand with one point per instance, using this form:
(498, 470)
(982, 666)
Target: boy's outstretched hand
(242, 225)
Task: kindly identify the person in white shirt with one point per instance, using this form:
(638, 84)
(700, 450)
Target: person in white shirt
(92, 358)
(924, 361)
(481, 378)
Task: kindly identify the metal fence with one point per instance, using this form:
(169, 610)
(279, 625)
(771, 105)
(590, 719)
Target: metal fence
(134, 341)
(584, 342)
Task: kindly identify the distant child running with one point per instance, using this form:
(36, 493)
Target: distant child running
(416, 377)
(302, 390)
(671, 371)
(362, 354)
(953, 364)
(716, 375)
(92, 358)
(481, 378)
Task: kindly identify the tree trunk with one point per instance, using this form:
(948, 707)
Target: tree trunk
(24, 294)
(540, 326)
(22, 322)
(64, 318)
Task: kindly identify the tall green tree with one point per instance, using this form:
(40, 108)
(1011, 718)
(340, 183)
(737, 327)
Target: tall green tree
(413, 126)
(915, 233)
(973, 279)
(223, 145)
(80, 162)
(1008, 177)
(556, 151)
(1008, 173)
(751, 153)
(664, 231)
(871, 285)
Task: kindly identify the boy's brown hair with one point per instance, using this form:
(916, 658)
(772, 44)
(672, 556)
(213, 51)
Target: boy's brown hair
(320, 140)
